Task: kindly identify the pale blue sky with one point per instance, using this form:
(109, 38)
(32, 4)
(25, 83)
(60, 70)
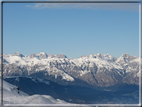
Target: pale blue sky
(71, 29)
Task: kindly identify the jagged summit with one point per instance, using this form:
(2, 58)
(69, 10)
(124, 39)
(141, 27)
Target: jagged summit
(42, 55)
(60, 56)
(50, 55)
(32, 55)
(124, 58)
(18, 54)
(107, 57)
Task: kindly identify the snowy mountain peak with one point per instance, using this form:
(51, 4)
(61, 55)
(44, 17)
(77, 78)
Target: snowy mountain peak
(98, 55)
(124, 58)
(107, 57)
(18, 54)
(128, 56)
(61, 56)
(32, 55)
(125, 55)
(91, 56)
(42, 55)
(50, 56)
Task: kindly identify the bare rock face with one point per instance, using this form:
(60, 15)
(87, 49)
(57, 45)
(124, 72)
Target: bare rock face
(18, 54)
(125, 58)
(32, 55)
(60, 56)
(96, 70)
(131, 78)
(42, 55)
(50, 56)
(13, 70)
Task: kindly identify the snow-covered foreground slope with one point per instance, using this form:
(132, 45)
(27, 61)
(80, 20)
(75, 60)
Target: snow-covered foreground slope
(11, 96)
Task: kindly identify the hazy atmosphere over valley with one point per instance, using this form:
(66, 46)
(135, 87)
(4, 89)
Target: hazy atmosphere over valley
(71, 53)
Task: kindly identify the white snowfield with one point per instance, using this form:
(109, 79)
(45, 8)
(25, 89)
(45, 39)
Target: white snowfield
(11, 96)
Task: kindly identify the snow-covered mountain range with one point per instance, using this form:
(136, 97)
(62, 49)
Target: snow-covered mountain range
(95, 70)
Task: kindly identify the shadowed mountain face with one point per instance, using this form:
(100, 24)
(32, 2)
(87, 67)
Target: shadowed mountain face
(117, 94)
(90, 71)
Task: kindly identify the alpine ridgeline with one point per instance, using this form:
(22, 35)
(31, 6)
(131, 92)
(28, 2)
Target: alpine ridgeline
(93, 70)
